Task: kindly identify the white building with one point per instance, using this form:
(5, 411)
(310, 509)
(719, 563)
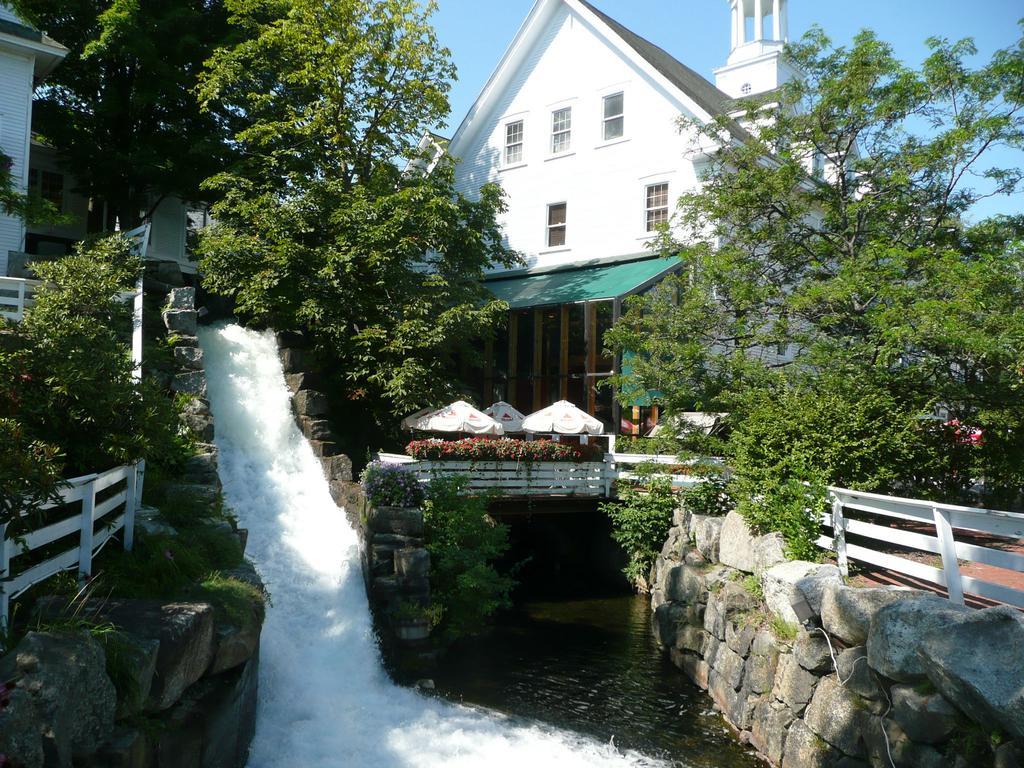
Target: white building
(26, 57)
(579, 126)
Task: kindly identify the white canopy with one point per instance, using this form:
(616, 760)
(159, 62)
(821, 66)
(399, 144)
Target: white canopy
(409, 422)
(460, 416)
(564, 418)
(509, 418)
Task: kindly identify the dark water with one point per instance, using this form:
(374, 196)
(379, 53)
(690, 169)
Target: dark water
(592, 666)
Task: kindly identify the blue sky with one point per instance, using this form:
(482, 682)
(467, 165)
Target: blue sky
(697, 33)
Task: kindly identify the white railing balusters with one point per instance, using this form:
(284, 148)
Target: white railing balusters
(839, 536)
(947, 548)
(85, 539)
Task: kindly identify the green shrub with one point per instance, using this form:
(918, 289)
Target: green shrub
(464, 543)
(640, 519)
(710, 497)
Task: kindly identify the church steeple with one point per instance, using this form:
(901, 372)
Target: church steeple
(759, 31)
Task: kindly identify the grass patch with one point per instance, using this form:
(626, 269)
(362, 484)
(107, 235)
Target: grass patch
(784, 630)
(752, 585)
(241, 603)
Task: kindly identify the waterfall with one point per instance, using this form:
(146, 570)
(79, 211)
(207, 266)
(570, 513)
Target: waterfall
(325, 700)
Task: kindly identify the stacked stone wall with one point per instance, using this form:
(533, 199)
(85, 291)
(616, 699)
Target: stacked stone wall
(880, 677)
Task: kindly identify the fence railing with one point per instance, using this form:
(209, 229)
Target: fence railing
(553, 478)
(944, 520)
(101, 505)
(15, 295)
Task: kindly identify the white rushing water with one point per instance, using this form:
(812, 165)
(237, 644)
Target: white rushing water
(325, 699)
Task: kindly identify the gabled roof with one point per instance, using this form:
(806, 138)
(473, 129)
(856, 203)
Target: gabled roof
(689, 81)
(661, 65)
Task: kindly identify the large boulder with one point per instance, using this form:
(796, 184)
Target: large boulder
(804, 749)
(65, 677)
(976, 660)
(181, 298)
(896, 632)
(793, 685)
(837, 715)
(769, 550)
(852, 668)
(707, 532)
(925, 717)
(237, 634)
(21, 730)
(180, 321)
(784, 583)
(134, 658)
(736, 543)
(309, 402)
(190, 383)
(405, 521)
(768, 732)
(189, 357)
(846, 611)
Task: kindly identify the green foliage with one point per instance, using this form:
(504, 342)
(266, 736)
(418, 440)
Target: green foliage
(710, 497)
(391, 485)
(640, 519)
(241, 603)
(753, 585)
(120, 109)
(887, 301)
(783, 629)
(69, 403)
(649, 445)
(318, 226)
(464, 543)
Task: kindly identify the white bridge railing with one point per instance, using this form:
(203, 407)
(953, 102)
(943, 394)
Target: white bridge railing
(548, 478)
(93, 521)
(943, 519)
(15, 296)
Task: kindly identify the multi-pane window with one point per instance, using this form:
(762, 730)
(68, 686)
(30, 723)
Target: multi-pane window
(561, 130)
(656, 205)
(514, 142)
(48, 185)
(614, 117)
(556, 225)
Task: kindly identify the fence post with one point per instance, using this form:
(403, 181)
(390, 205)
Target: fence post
(137, 331)
(85, 540)
(140, 479)
(839, 535)
(947, 547)
(130, 500)
(5, 568)
(21, 300)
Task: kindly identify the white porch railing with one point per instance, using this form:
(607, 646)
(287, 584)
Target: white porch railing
(511, 478)
(943, 518)
(548, 478)
(15, 295)
(94, 523)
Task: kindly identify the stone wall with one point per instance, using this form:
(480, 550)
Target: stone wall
(909, 680)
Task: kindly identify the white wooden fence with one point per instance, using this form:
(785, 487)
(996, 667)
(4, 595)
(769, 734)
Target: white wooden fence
(15, 295)
(944, 518)
(93, 522)
(547, 478)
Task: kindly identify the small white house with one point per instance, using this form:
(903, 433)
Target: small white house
(26, 57)
(579, 124)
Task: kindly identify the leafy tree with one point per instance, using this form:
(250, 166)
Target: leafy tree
(319, 226)
(464, 542)
(641, 518)
(121, 109)
(69, 403)
(837, 230)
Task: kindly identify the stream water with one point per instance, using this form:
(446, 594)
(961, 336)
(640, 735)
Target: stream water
(325, 699)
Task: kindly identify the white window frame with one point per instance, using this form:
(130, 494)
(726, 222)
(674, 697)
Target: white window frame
(649, 209)
(606, 119)
(521, 144)
(549, 227)
(564, 131)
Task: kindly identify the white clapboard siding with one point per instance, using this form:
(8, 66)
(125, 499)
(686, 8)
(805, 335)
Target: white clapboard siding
(944, 519)
(113, 514)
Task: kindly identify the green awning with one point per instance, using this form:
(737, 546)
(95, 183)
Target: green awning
(590, 282)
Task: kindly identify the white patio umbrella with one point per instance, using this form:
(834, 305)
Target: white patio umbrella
(564, 418)
(460, 416)
(507, 416)
(409, 422)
